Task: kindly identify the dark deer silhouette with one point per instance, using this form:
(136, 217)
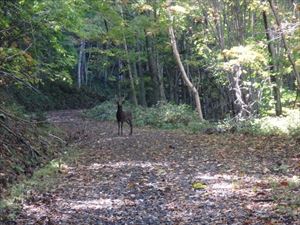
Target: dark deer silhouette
(123, 116)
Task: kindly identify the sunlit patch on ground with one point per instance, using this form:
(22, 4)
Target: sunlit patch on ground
(96, 204)
(118, 165)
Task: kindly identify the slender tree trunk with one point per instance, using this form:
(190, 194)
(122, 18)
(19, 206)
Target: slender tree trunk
(79, 72)
(141, 79)
(132, 86)
(156, 68)
(160, 72)
(85, 65)
(241, 108)
(290, 57)
(171, 90)
(143, 101)
(120, 78)
(273, 67)
(152, 68)
(183, 73)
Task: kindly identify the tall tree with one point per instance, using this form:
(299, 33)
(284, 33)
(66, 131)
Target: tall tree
(287, 49)
(131, 79)
(273, 66)
(184, 75)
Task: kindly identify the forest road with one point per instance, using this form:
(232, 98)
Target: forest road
(168, 177)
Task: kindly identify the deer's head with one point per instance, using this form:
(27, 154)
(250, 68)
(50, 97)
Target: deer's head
(119, 101)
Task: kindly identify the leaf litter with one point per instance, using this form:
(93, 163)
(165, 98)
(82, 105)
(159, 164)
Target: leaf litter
(164, 177)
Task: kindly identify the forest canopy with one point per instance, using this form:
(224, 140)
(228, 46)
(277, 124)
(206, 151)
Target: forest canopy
(238, 58)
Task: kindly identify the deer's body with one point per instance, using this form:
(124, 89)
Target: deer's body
(122, 117)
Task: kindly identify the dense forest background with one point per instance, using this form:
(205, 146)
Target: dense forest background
(241, 57)
(224, 73)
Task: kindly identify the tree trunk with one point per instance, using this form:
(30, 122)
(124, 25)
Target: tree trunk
(79, 72)
(297, 75)
(160, 72)
(85, 65)
(273, 67)
(241, 108)
(183, 73)
(132, 86)
(141, 79)
(152, 68)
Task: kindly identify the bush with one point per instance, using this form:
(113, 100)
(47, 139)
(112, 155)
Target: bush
(271, 125)
(167, 116)
(171, 116)
(105, 111)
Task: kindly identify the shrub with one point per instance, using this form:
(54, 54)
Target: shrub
(171, 116)
(269, 125)
(104, 111)
(163, 115)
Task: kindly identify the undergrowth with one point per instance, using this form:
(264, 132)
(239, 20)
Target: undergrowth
(171, 116)
(42, 180)
(163, 115)
(27, 143)
(288, 124)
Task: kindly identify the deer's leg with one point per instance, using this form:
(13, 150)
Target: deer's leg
(130, 124)
(121, 128)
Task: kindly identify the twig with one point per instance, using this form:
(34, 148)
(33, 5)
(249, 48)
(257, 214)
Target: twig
(263, 200)
(25, 50)
(8, 129)
(52, 135)
(13, 116)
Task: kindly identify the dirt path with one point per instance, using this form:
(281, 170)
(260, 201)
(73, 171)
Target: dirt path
(147, 178)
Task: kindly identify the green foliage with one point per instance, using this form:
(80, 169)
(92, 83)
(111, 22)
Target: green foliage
(39, 44)
(251, 57)
(105, 111)
(163, 115)
(198, 185)
(56, 95)
(171, 116)
(288, 97)
(271, 125)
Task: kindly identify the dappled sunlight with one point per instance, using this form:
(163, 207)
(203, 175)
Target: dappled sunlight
(142, 164)
(222, 187)
(42, 212)
(169, 191)
(167, 180)
(36, 210)
(102, 203)
(260, 205)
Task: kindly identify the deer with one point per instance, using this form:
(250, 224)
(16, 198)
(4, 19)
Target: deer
(123, 116)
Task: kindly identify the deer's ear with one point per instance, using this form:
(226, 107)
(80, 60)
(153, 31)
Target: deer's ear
(116, 99)
(123, 99)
